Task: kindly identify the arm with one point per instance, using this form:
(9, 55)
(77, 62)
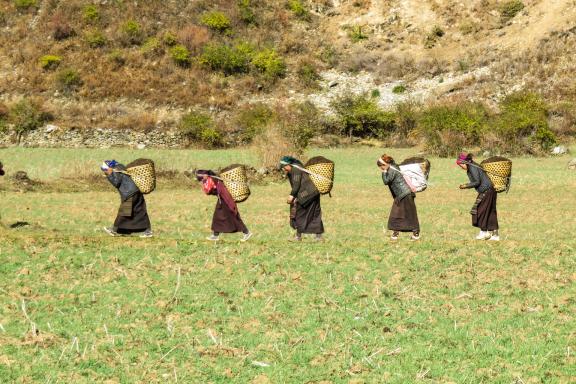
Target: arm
(388, 176)
(295, 181)
(115, 178)
(474, 177)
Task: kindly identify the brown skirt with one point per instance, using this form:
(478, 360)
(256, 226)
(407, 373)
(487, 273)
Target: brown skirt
(484, 214)
(225, 221)
(307, 219)
(403, 215)
(132, 215)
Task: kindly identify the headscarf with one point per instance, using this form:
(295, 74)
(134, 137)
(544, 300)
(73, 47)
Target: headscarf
(464, 158)
(289, 160)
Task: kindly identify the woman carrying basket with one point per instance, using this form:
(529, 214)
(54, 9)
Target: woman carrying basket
(484, 214)
(304, 200)
(132, 215)
(403, 215)
(226, 218)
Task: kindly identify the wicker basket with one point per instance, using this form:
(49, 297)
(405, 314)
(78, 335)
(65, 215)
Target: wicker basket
(236, 181)
(321, 171)
(499, 170)
(143, 174)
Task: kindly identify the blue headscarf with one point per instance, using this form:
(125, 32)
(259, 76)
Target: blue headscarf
(289, 160)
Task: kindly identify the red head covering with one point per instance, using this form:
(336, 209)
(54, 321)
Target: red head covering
(464, 158)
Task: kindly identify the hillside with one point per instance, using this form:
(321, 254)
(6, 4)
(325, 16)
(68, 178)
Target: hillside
(143, 64)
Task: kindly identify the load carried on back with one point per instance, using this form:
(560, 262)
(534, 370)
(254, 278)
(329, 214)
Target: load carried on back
(416, 171)
(499, 171)
(235, 180)
(143, 173)
(321, 172)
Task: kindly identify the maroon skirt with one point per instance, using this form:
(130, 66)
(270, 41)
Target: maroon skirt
(484, 214)
(403, 215)
(225, 220)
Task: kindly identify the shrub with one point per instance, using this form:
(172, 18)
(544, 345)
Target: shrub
(308, 74)
(26, 116)
(252, 121)
(301, 125)
(95, 39)
(90, 14)
(297, 9)
(360, 115)
(132, 33)
(447, 129)
(23, 5)
(216, 20)
(69, 80)
(435, 34)
(152, 47)
(230, 60)
(194, 37)
(269, 63)
(181, 55)
(117, 58)
(50, 61)
(4, 114)
(375, 93)
(61, 28)
(355, 34)
(329, 55)
(246, 13)
(200, 127)
(523, 123)
(510, 8)
(170, 39)
(400, 88)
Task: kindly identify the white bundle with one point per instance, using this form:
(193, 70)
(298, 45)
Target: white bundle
(415, 176)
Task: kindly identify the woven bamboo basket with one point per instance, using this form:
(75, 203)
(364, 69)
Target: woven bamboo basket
(143, 174)
(499, 170)
(321, 172)
(235, 180)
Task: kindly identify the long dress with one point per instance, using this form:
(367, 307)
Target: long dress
(305, 215)
(403, 215)
(226, 218)
(132, 215)
(484, 212)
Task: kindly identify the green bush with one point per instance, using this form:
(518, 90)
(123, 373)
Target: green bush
(355, 33)
(216, 20)
(510, 8)
(132, 33)
(152, 47)
(50, 61)
(447, 129)
(181, 55)
(360, 115)
(170, 39)
(435, 34)
(24, 4)
(26, 116)
(269, 63)
(90, 14)
(302, 125)
(252, 121)
(200, 127)
(69, 80)
(523, 123)
(298, 9)
(247, 15)
(95, 39)
(400, 88)
(375, 93)
(230, 60)
(308, 74)
(117, 57)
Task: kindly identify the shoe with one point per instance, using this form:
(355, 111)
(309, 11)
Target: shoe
(213, 238)
(494, 238)
(295, 239)
(318, 237)
(147, 233)
(394, 236)
(246, 236)
(415, 236)
(111, 231)
(483, 235)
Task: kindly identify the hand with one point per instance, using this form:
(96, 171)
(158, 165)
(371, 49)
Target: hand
(108, 171)
(290, 199)
(384, 167)
(463, 186)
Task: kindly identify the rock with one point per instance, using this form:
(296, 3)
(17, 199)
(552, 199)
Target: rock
(572, 164)
(559, 150)
(332, 84)
(141, 146)
(486, 154)
(51, 128)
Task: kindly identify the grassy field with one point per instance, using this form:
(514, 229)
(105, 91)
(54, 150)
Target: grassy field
(79, 306)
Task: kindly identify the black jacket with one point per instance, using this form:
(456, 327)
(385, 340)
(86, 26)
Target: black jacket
(124, 184)
(479, 180)
(398, 186)
(303, 189)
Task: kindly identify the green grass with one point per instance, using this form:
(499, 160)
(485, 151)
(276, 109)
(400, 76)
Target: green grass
(354, 309)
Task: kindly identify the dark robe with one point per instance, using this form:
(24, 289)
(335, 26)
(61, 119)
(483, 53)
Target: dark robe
(403, 215)
(484, 214)
(226, 218)
(305, 212)
(132, 215)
